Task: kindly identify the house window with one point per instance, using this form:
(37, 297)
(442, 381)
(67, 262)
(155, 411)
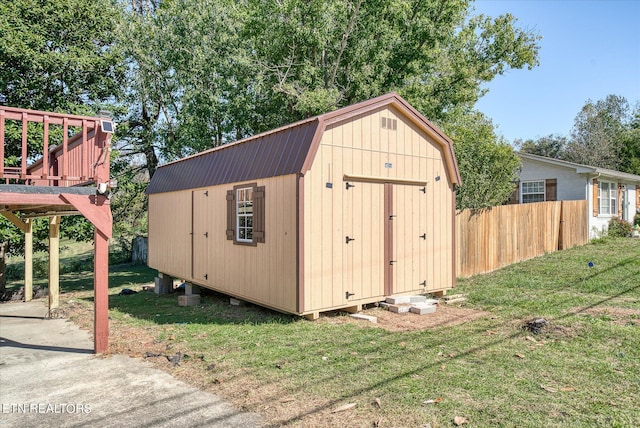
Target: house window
(607, 198)
(533, 191)
(244, 213)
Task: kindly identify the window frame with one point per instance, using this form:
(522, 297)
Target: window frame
(234, 214)
(543, 192)
(241, 214)
(611, 197)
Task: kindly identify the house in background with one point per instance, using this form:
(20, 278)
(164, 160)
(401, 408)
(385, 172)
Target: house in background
(608, 193)
(334, 211)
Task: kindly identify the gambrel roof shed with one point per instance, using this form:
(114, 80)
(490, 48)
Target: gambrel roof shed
(330, 212)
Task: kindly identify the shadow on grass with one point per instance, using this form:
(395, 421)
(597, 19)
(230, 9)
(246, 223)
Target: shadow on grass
(214, 308)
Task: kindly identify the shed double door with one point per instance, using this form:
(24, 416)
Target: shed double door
(385, 239)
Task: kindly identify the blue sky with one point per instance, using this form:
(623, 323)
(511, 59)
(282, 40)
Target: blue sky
(590, 49)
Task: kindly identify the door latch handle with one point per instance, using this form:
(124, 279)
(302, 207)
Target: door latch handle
(206, 276)
(347, 185)
(206, 234)
(391, 262)
(347, 295)
(392, 216)
(423, 236)
(347, 239)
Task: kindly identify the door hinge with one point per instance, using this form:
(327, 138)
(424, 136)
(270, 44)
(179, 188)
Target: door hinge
(347, 185)
(392, 216)
(423, 236)
(347, 295)
(347, 239)
(423, 283)
(206, 276)
(206, 193)
(206, 234)
(391, 262)
(423, 189)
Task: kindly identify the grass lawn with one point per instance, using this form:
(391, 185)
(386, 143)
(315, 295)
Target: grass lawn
(583, 369)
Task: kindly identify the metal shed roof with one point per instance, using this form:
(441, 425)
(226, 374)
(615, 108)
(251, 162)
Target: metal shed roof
(282, 151)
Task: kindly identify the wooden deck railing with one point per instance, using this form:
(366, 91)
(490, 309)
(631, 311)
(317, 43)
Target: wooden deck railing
(80, 158)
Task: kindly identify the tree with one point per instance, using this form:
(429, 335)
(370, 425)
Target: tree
(315, 56)
(205, 72)
(630, 154)
(58, 56)
(255, 65)
(551, 146)
(488, 165)
(598, 133)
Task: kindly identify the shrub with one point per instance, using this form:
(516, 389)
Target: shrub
(619, 228)
(636, 220)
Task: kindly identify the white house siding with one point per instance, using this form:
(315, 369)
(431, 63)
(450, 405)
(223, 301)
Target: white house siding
(571, 186)
(631, 202)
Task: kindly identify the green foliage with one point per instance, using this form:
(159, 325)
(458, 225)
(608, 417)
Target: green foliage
(630, 153)
(551, 146)
(58, 55)
(636, 220)
(252, 66)
(597, 138)
(488, 166)
(14, 236)
(619, 228)
(73, 227)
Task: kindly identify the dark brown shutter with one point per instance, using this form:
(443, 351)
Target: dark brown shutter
(231, 214)
(258, 214)
(514, 198)
(596, 210)
(551, 193)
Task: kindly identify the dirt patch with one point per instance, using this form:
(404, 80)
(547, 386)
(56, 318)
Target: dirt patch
(444, 316)
(620, 316)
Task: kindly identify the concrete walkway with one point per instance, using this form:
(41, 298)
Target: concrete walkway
(49, 377)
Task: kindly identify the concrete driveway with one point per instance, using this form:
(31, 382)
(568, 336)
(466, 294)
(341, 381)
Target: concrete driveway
(49, 376)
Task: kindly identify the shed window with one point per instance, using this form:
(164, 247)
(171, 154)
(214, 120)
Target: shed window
(533, 191)
(607, 198)
(245, 214)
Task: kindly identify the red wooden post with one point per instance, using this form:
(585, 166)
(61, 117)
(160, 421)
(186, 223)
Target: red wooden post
(84, 162)
(65, 154)
(25, 154)
(2, 142)
(100, 292)
(45, 149)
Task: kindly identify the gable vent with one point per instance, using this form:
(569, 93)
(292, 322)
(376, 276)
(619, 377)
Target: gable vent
(388, 123)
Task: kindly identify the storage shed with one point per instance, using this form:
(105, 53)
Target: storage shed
(332, 212)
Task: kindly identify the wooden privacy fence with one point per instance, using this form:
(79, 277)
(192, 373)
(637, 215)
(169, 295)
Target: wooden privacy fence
(489, 239)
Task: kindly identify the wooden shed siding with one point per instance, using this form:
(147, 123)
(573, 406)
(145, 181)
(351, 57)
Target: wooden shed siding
(360, 146)
(265, 274)
(170, 233)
